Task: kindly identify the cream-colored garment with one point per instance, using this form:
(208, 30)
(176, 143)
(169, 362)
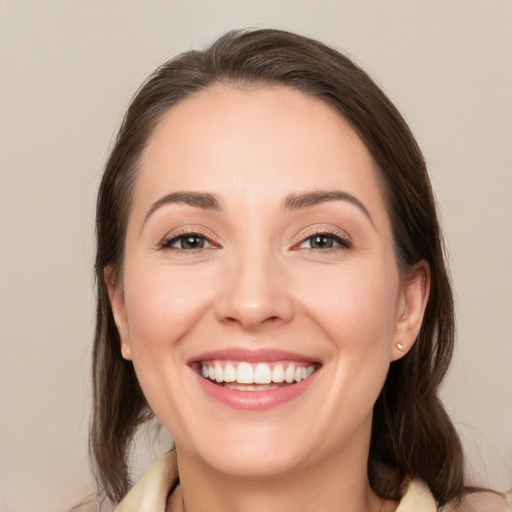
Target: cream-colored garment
(150, 493)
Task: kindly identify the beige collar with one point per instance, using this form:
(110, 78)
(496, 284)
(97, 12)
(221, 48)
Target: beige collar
(417, 498)
(150, 493)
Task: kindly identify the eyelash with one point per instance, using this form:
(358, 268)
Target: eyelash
(343, 242)
(168, 242)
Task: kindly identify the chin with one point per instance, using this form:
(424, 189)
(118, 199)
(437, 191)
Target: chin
(250, 455)
(256, 465)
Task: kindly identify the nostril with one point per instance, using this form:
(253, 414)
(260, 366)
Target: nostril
(231, 320)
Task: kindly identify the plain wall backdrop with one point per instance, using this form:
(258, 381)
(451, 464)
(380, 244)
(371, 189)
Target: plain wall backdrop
(67, 71)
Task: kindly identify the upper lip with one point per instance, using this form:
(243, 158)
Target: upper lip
(263, 355)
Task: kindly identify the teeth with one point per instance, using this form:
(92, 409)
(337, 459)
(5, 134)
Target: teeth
(229, 373)
(253, 387)
(262, 374)
(289, 374)
(258, 375)
(219, 373)
(245, 374)
(278, 373)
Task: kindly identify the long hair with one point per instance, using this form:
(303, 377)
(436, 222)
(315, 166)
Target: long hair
(412, 435)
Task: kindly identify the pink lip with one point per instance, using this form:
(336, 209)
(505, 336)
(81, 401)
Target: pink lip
(253, 400)
(251, 356)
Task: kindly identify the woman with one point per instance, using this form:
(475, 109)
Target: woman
(271, 285)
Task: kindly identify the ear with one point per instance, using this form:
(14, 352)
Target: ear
(411, 309)
(116, 296)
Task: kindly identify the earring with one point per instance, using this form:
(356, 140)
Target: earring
(401, 347)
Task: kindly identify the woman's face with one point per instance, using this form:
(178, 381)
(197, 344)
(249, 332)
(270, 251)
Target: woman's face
(259, 249)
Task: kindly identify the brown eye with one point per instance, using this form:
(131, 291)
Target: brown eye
(187, 242)
(192, 242)
(322, 241)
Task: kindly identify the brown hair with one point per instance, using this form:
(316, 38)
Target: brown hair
(412, 435)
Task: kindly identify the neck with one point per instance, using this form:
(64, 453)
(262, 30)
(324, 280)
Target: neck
(333, 485)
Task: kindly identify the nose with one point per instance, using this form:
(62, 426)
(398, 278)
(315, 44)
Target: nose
(254, 293)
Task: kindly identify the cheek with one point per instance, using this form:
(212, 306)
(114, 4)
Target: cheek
(356, 306)
(355, 310)
(162, 307)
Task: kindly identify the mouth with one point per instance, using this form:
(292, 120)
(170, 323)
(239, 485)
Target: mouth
(254, 380)
(249, 376)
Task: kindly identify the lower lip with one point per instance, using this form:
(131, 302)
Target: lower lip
(255, 400)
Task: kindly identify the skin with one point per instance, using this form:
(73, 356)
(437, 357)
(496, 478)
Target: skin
(259, 283)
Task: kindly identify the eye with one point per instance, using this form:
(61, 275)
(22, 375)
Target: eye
(187, 242)
(325, 241)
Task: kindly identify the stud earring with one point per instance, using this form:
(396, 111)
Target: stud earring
(401, 347)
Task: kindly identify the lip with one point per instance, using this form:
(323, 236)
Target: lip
(252, 356)
(253, 400)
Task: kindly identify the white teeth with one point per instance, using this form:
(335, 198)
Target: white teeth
(278, 373)
(259, 375)
(219, 373)
(229, 373)
(262, 374)
(253, 387)
(245, 374)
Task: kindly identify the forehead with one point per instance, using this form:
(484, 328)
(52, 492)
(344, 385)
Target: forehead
(255, 143)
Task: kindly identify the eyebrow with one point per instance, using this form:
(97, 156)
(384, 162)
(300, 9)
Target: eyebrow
(204, 200)
(317, 197)
(209, 201)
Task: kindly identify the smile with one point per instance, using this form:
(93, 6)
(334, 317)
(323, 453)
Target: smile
(254, 380)
(246, 376)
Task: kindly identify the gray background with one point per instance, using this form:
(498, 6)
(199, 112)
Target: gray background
(68, 69)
